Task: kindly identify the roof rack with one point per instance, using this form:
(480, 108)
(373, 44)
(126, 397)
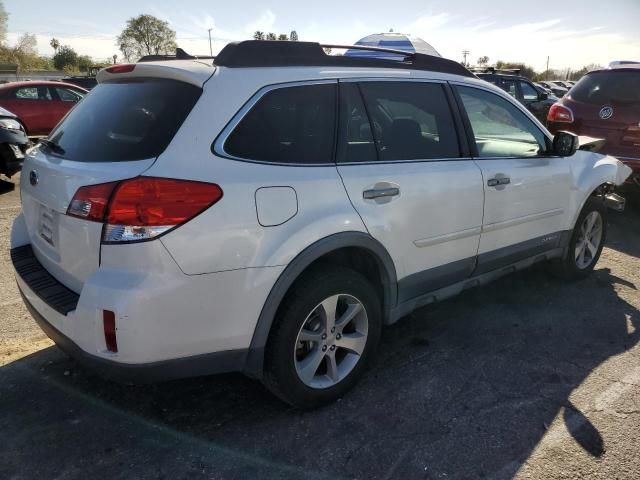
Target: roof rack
(274, 53)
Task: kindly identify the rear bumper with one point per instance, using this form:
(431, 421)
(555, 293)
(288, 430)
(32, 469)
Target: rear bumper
(162, 334)
(206, 364)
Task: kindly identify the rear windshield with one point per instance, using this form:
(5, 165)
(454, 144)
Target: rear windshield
(608, 87)
(123, 121)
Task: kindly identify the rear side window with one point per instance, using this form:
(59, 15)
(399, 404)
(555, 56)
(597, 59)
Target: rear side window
(124, 121)
(292, 125)
(608, 87)
(411, 120)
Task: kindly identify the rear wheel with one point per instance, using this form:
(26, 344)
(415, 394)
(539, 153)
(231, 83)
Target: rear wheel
(587, 240)
(325, 332)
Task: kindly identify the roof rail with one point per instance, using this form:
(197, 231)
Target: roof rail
(274, 53)
(179, 55)
(513, 71)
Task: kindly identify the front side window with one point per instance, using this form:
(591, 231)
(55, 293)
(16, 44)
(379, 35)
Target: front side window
(292, 125)
(411, 120)
(529, 93)
(500, 128)
(68, 95)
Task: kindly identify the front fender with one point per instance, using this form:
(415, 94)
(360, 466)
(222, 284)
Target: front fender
(589, 171)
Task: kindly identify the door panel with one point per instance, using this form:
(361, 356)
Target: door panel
(526, 192)
(427, 213)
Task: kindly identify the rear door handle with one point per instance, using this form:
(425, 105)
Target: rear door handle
(494, 182)
(380, 193)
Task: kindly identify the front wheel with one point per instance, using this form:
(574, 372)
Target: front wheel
(323, 337)
(587, 240)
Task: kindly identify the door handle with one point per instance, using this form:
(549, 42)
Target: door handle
(494, 182)
(380, 193)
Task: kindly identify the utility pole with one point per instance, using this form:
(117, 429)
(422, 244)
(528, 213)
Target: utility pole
(546, 73)
(210, 47)
(465, 53)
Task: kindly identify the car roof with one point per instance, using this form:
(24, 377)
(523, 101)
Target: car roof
(40, 83)
(263, 56)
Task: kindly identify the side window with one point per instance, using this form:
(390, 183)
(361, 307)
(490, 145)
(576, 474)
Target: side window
(411, 120)
(529, 93)
(500, 128)
(68, 95)
(288, 125)
(509, 86)
(27, 93)
(355, 139)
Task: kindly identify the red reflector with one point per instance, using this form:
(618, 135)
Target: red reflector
(109, 321)
(150, 201)
(560, 113)
(91, 202)
(124, 68)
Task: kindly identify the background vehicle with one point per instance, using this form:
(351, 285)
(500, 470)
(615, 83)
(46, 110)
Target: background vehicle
(557, 90)
(40, 105)
(525, 91)
(562, 83)
(13, 143)
(605, 104)
(209, 220)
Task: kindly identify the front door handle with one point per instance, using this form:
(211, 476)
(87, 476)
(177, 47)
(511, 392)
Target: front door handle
(380, 193)
(494, 182)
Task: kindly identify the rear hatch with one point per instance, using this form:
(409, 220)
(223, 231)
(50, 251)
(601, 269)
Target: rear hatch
(606, 104)
(115, 133)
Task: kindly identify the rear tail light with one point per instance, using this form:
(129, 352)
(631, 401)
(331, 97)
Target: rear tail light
(142, 208)
(560, 113)
(109, 324)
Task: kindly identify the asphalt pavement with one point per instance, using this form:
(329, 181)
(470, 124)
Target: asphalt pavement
(529, 377)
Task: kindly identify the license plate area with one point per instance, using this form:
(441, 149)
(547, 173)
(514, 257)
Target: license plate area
(48, 225)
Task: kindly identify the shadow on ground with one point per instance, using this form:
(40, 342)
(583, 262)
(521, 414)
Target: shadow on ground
(465, 388)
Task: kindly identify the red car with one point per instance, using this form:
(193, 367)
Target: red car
(605, 104)
(40, 105)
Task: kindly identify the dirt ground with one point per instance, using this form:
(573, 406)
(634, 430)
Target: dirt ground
(529, 377)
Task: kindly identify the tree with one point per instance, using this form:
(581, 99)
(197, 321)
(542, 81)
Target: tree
(482, 61)
(84, 63)
(271, 36)
(146, 35)
(327, 50)
(293, 36)
(283, 37)
(525, 70)
(55, 44)
(258, 35)
(4, 18)
(65, 58)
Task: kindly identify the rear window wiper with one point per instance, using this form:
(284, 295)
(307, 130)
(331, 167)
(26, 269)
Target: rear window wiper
(53, 146)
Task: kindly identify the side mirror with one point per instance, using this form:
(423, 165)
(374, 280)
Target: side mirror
(543, 96)
(565, 144)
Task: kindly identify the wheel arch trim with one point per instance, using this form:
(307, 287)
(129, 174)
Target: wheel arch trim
(322, 247)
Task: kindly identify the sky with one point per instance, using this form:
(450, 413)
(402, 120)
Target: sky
(573, 33)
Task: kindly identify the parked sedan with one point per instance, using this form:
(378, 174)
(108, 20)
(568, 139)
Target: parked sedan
(13, 143)
(557, 90)
(40, 105)
(605, 104)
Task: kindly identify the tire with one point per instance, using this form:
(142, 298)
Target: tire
(581, 257)
(312, 366)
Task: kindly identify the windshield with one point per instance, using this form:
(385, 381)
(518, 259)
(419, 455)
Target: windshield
(617, 86)
(122, 121)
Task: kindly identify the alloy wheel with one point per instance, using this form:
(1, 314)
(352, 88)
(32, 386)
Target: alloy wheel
(589, 240)
(331, 341)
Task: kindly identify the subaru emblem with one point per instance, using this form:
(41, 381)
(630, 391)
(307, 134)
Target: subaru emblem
(33, 177)
(606, 112)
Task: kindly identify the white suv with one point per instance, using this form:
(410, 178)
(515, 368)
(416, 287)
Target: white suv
(270, 210)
